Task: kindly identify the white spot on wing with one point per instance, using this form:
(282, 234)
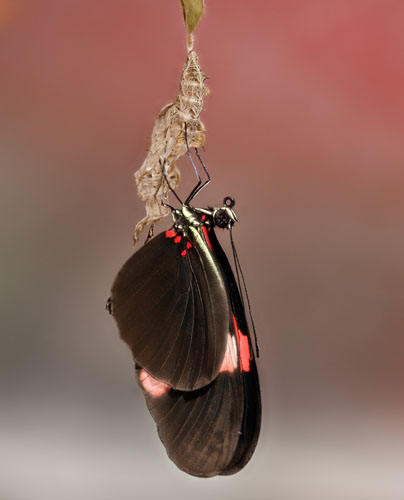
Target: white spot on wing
(230, 362)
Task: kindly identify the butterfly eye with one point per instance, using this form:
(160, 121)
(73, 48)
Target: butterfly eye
(221, 218)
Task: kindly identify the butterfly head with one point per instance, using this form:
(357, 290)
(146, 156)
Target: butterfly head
(224, 217)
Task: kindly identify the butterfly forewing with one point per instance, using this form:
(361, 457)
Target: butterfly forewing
(171, 305)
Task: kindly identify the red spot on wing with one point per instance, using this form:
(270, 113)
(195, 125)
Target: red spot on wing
(189, 244)
(153, 387)
(205, 233)
(183, 253)
(177, 239)
(170, 233)
(243, 348)
(203, 217)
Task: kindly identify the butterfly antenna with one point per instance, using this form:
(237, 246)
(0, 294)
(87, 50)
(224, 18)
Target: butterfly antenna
(238, 268)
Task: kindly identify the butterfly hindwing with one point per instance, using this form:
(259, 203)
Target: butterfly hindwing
(199, 429)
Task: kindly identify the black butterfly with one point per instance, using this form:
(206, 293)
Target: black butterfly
(179, 308)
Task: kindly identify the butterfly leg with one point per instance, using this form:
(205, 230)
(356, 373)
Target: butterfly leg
(199, 186)
(164, 178)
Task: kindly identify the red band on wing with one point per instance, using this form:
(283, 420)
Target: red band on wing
(205, 233)
(153, 387)
(243, 348)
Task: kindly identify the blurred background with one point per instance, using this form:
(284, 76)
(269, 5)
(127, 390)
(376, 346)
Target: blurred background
(305, 127)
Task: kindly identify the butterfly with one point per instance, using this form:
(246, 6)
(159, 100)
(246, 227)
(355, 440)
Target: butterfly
(180, 310)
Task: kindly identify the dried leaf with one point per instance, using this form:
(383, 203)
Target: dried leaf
(192, 10)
